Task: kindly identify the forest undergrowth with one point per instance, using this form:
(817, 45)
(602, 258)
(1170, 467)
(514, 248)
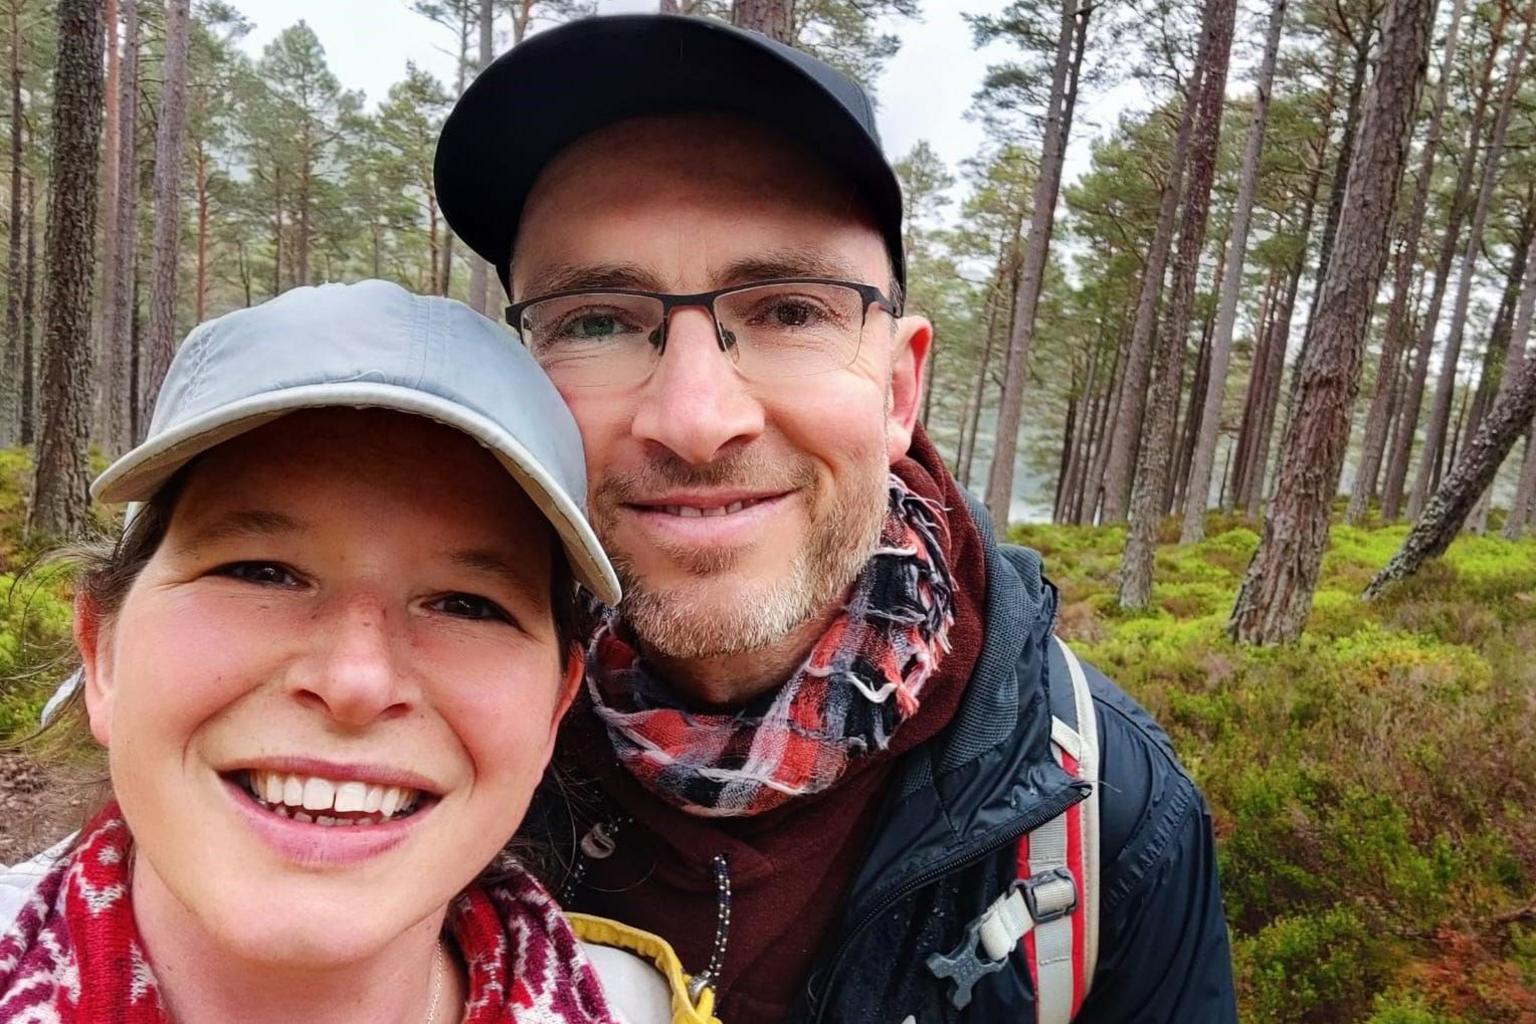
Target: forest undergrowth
(1373, 786)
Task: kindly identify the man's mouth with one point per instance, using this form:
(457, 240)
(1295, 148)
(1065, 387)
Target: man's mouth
(706, 511)
(315, 799)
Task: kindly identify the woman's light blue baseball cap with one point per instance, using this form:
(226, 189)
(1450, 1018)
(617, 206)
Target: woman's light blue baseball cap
(371, 345)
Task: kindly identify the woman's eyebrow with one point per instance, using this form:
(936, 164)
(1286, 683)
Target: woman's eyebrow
(492, 563)
(248, 522)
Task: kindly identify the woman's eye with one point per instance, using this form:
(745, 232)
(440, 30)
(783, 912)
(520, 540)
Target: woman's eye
(469, 606)
(266, 573)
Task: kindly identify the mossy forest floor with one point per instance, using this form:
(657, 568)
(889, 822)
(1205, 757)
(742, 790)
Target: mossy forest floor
(1373, 786)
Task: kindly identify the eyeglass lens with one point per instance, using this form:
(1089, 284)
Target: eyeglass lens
(769, 332)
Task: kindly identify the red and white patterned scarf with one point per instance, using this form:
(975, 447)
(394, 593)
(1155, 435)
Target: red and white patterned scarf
(74, 955)
(864, 678)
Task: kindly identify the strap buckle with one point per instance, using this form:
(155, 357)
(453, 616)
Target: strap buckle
(1050, 895)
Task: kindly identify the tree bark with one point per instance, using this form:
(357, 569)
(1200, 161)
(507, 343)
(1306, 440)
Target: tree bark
(1439, 417)
(1395, 335)
(200, 169)
(160, 343)
(118, 280)
(11, 401)
(111, 149)
(1520, 510)
(480, 298)
(1198, 492)
(1473, 473)
(1276, 593)
(1253, 399)
(60, 504)
(1360, 43)
(1053, 153)
(1402, 449)
(1125, 440)
(28, 326)
(1148, 494)
(773, 18)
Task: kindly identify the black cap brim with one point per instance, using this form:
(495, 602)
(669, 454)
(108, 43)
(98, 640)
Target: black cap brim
(562, 84)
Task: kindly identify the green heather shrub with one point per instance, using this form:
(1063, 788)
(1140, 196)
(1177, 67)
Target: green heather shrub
(1311, 969)
(1399, 1007)
(1372, 785)
(35, 618)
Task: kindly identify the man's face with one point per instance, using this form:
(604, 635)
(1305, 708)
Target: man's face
(735, 510)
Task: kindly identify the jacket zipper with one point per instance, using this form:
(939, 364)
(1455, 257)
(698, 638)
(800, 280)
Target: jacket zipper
(1028, 823)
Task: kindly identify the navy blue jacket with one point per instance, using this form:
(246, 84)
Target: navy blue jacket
(948, 841)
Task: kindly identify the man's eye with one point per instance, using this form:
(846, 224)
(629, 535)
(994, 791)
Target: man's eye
(790, 314)
(271, 574)
(470, 606)
(595, 325)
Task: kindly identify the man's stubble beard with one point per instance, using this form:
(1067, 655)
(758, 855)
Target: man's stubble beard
(694, 619)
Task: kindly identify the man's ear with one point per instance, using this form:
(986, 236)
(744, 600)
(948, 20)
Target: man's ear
(909, 369)
(93, 639)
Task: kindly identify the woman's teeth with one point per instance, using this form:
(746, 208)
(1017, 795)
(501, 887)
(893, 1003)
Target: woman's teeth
(311, 799)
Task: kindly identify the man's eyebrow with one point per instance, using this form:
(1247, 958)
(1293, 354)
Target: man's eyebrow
(246, 522)
(565, 277)
(794, 262)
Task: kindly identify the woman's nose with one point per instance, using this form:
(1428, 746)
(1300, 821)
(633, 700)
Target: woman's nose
(355, 673)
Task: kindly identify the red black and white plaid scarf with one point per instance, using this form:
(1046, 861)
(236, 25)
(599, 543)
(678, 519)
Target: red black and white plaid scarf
(864, 678)
(74, 954)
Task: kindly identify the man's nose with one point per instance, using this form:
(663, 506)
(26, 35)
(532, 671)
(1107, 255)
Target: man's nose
(355, 673)
(695, 403)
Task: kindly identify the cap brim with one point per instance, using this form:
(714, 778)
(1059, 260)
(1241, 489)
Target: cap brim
(566, 82)
(139, 474)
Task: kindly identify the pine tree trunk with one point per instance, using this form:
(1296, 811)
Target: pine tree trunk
(1473, 473)
(1126, 438)
(1360, 43)
(200, 306)
(773, 18)
(1264, 330)
(1439, 417)
(60, 504)
(1042, 221)
(28, 326)
(1197, 496)
(971, 414)
(1402, 450)
(1395, 335)
(160, 342)
(1276, 594)
(111, 149)
(1148, 500)
(1514, 366)
(1524, 491)
(118, 280)
(11, 400)
(479, 270)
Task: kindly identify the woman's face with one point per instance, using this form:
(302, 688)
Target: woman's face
(329, 695)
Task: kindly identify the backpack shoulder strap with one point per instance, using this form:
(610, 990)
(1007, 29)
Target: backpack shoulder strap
(1062, 951)
(1051, 913)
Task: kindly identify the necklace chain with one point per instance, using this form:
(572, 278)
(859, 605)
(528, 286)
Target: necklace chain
(437, 984)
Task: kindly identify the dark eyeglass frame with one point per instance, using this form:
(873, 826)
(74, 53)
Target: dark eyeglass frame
(871, 295)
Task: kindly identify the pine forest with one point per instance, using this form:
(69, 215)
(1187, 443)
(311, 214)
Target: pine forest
(1233, 309)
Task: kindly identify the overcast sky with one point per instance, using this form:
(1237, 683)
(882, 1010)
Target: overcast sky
(924, 93)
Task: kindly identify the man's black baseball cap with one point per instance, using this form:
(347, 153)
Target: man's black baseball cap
(566, 82)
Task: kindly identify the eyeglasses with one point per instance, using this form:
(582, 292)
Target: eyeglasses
(769, 330)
